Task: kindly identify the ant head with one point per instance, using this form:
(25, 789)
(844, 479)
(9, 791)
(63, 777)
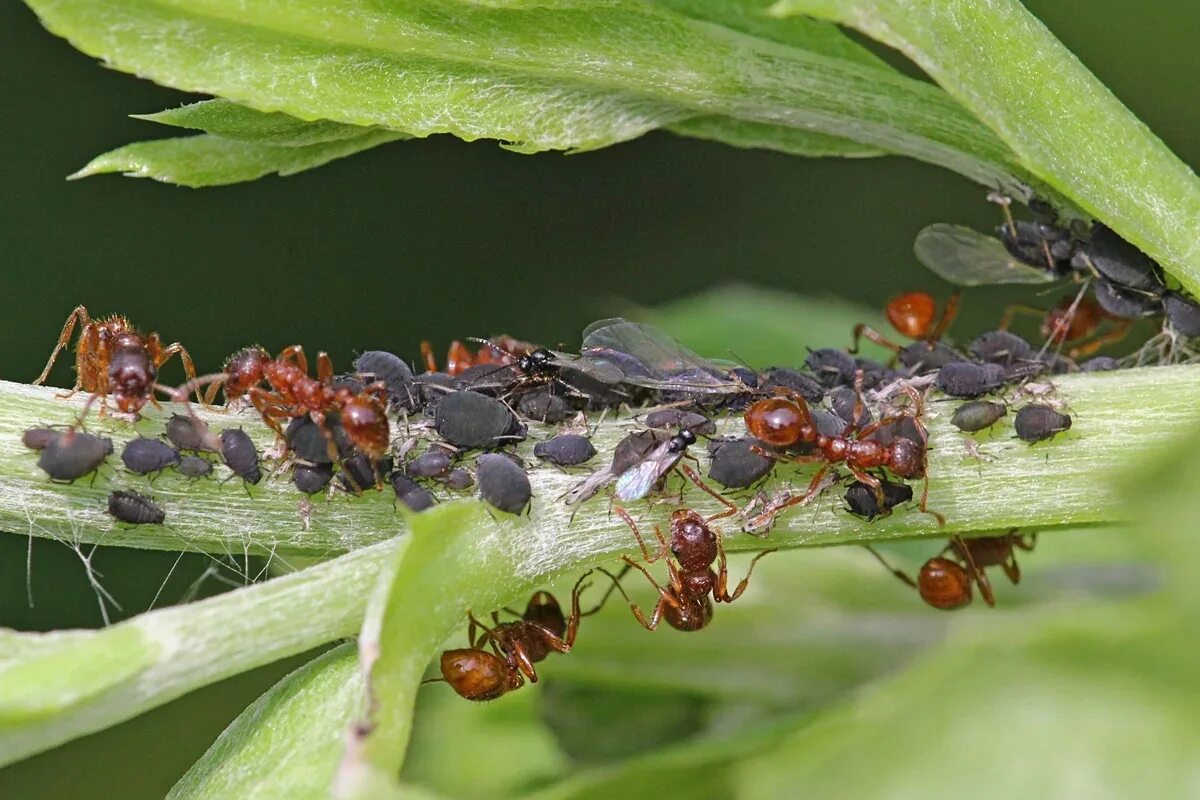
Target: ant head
(944, 584)
(477, 674)
(693, 543)
(906, 458)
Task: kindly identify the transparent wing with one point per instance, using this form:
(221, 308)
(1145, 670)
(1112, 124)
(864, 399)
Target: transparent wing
(966, 257)
(637, 481)
(599, 370)
(648, 357)
(588, 487)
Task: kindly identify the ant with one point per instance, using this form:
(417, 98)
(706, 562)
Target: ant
(686, 602)
(945, 583)
(1074, 319)
(477, 674)
(783, 422)
(112, 357)
(502, 351)
(912, 314)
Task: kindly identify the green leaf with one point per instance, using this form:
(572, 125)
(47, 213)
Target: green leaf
(1000, 62)
(757, 135)
(565, 76)
(207, 160)
(231, 121)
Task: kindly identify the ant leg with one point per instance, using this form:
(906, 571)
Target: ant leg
(1118, 332)
(730, 508)
(263, 402)
(900, 574)
(923, 507)
(459, 358)
(573, 618)
(981, 578)
(80, 314)
(721, 592)
(295, 354)
(1017, 308)
(865, 331)
(1025, 541)
(623, 514)
(876, 485)
(948, 315)
(477, 641)
(664, 598)
(1011, 568)
(519, 655)
(324, 368)
(616, 584)
(427, 356)
(815, 487)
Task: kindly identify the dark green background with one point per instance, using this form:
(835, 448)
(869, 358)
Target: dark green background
(432, 239)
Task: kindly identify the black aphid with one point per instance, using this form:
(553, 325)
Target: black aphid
(842, 400)
(72, 454)
(967, 379)
(827, 423)
(1000, 347)
(459, 480)
(135, 509)
(503, 484)
(1037, 422)
(861, 500)
(433, 463)
(311, 478)
(360, 472)
(308, 441)
(1100, 364)
(143, 456)
(396, 375)
(831, 367)
(736, 463)
(432, 387)
(542, 405)
(38, 438)
(468, 419)
(1125, 303)
(1121, 262)
(1183, 313)
(978, 415)
(922, 357)
(194, 467)
(567, 450)
(189, 433)
(681, 419)
(874, 373)
(240, 454)
(797, 381)
(412, 494)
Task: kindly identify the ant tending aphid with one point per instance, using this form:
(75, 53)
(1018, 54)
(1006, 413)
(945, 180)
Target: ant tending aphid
(477, 674)
(737, 463)
(112, 358)
(861, 502)
(784, 422)
(693, 585)
(945, 581)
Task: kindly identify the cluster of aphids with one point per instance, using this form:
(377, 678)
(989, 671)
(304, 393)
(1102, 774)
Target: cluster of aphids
(444, 433)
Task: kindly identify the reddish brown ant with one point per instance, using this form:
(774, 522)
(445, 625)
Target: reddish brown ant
(912, 314)
(1074, 319)
(476, 674)
(502, 350)
(945, 583)
(686, 601)
(783, 422)
(112, 357)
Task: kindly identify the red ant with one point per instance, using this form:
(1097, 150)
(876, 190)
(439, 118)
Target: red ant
(945, 583)
(503, 350)
(476, 674)
(912, 314)
(293, 393)
(784, 422)
(112, 357)
(686, 602)
(1073, 319)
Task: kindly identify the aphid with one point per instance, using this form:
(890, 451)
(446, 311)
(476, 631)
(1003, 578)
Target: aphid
(1120, 262)
(503, 484)
(1099, 364)
(71, 455)
(361, 472)
(396, 376)
(861, 501)
(1125, 303)
(543, 405)
(785, 378)
(433, 463)
(978, 415)
(459, 480)
(240, 454)
(566, 450)
(642, 355)
(38, 438)
(693, 584)
(190, 433)
(844, 402)
(737, 463)
(786, 422)
(924, 357)
(831, 367)
(311, 478)
(1037, 422)
(412, 494)
(136, 509)
(306, 439)
(1000, 347)
(967, 379)
(1183, 313)
(143, 456)
(194, 467)
(945, 581)
(681, 419)
(472, 420)
(477, 674)
(111, 357)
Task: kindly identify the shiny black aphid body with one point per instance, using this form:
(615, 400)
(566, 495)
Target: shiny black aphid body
(967, 379)
(978, 415)
(240, 454)
(1035, 423)
(360, 473)
(737, 464)
(565, 450)
(1001, 347)
(194, 467)
(71, 455)
(503, 484)
(543, 405)
(188, 433)
(145, 456)
(843, 400)
(306, 439)
(922, 357)
(861, 501)
(472, 420)
(412, 494)
(787, 378)
(433, 463)
(681, 419)
(311, 478)
(135, 509)
(395, 374)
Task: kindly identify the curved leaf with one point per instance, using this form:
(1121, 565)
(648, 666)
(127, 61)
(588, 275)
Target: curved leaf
(231, 121)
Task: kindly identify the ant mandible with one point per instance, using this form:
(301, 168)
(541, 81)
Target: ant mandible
(785, 421)
(686, 601)
(112, 357)
(945, 583)
(477, 674)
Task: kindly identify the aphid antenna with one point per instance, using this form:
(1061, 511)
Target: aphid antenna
(1005, 203)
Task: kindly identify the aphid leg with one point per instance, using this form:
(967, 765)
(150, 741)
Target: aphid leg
(866, 331)
(980, 577)
(730, 508)
(80, 314)
(623, 514)
(948, 315)
(900, 574)
(1004, 201)
(860, 405)
(721, 591)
